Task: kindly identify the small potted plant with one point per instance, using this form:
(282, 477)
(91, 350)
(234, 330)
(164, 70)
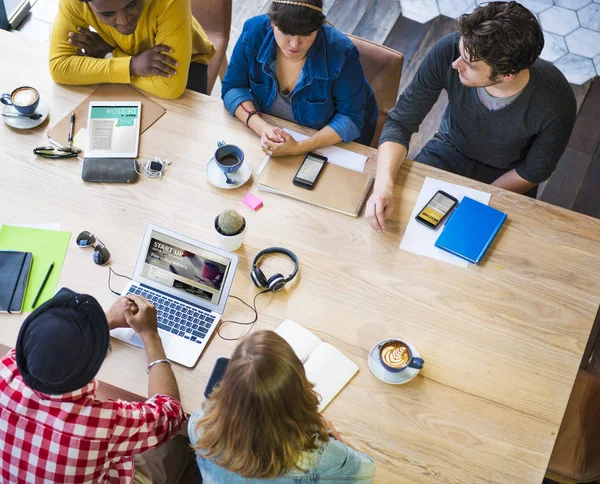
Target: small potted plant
(230, 227)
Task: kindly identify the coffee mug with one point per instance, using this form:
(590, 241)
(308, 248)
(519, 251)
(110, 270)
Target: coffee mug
(24, 99)
(396, 356)
(229, 158)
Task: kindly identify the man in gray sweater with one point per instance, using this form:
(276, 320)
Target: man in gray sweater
(509, 114)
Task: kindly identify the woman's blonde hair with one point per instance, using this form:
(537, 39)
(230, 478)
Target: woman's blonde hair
(263, 415)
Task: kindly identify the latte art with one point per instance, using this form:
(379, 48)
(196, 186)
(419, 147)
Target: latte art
(395, 355)
(25, 96)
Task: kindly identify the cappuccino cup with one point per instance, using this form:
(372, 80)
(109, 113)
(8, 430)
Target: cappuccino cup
(24, 99)
(396, 356)
(229, 158)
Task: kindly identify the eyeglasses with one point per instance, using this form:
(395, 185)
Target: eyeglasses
(59, 153)
(101, 254)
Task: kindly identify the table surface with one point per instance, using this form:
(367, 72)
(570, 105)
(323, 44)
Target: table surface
(502, 341)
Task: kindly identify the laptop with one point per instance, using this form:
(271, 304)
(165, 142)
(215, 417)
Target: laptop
(113, 132)
(188, 282)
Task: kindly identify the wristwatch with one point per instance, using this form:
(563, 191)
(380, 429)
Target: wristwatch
(109, 55)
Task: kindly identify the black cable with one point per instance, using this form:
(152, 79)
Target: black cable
(110, 271)
(251, 323)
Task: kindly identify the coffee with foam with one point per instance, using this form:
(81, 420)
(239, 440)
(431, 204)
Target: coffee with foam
(24, 96)
(395, 354)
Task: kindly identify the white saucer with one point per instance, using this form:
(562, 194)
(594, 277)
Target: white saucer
(387, 376)
(217, 177)
(23, 122)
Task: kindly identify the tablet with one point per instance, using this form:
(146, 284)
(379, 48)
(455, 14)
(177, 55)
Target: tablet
(113, 129)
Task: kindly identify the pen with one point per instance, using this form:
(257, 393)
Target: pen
(43, 284)
(70, 140)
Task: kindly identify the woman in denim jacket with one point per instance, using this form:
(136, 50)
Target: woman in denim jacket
(262, 424)
(290, 64)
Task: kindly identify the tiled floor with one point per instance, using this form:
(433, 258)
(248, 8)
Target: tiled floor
(571, 29)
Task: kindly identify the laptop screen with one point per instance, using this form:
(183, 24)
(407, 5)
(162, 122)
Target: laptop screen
(114, 129)
(185, 268)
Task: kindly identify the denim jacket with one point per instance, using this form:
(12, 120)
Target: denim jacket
(331, 90)
(331, 462)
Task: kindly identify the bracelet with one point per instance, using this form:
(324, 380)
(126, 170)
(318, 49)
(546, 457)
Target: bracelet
(249, 116)
(156, 362)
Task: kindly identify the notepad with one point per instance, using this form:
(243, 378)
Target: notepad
(326, 366)
(14, 274)
(470, 230)
(338, 189)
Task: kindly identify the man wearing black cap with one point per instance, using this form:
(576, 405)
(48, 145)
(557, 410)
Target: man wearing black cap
(52, 427)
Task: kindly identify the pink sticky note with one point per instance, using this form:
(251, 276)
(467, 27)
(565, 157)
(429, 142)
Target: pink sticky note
(253, 201)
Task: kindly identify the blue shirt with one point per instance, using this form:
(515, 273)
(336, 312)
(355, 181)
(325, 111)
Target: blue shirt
(331, 91)
(331, 462)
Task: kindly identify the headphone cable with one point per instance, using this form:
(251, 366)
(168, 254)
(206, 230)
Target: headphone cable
(248, 323)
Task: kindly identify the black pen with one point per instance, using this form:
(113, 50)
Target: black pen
(43, 284)
(70, 140)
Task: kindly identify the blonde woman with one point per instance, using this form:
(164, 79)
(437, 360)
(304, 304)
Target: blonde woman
(261, 423)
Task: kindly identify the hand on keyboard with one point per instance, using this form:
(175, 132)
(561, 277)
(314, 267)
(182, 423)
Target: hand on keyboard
(116, 314)
(144, 320)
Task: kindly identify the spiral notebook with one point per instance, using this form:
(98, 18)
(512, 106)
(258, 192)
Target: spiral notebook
(337, 188)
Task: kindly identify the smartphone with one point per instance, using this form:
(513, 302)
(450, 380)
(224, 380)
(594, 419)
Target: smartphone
(436, 210)
(309, 171)
(216, 376)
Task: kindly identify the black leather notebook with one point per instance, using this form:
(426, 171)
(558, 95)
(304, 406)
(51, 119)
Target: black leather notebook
(14, 273)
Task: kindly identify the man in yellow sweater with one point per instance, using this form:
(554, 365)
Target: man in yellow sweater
(156, 45)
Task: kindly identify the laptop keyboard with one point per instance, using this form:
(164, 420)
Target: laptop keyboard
(180, 319)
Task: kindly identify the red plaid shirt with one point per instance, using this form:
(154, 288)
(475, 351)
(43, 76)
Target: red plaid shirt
(75, 437)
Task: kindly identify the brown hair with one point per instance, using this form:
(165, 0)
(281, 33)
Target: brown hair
(297, 19)
(263, 415)
(505, 35)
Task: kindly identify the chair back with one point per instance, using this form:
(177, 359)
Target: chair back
(383, 70)
(215, 18)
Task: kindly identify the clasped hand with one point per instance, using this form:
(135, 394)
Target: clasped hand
(276, 142)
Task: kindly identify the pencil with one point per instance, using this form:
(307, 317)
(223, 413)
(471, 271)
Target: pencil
(43, 284)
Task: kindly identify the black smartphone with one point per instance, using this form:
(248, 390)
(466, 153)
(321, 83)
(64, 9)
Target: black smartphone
(436, 210)
(309, 171)
(216, 376)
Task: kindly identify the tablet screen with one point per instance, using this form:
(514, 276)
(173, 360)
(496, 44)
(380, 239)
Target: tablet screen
(113, 129)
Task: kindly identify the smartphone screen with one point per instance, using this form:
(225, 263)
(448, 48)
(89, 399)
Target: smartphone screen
(437, 209)
(309, 170)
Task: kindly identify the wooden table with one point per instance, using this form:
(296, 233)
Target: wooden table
(502, 341)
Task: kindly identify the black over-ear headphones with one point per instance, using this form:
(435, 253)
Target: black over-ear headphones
(276, 282)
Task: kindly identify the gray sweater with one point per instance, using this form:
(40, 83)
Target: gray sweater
(530, 134)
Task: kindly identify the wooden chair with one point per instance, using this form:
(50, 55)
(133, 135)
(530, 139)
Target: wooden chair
(383, 70)
(215, 18)
(576, 454)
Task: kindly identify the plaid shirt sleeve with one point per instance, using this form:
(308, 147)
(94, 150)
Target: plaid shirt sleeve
(141, 426)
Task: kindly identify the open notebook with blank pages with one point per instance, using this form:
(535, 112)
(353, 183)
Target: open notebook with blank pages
(338, 189)
(326, 366)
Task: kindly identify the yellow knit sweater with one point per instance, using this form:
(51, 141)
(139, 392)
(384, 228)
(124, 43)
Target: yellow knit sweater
(167, 22)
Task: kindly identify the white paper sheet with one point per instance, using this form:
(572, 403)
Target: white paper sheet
(48, 226)
(420, 239)
(335, 155)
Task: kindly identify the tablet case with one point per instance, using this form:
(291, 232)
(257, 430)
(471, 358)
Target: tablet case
(14, 273)
(470, 230)
(109, 170)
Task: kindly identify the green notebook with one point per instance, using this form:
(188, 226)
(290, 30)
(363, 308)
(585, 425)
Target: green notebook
(47, 246)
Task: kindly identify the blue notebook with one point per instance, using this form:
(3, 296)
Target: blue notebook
(470, 230)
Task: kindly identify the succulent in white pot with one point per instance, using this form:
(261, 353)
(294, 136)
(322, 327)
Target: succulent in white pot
(230, 227)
